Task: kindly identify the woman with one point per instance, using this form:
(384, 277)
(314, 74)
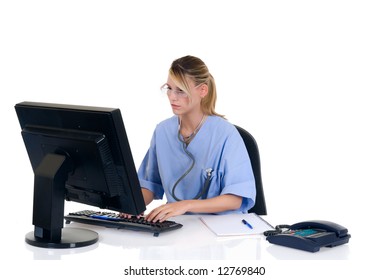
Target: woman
(196, 158)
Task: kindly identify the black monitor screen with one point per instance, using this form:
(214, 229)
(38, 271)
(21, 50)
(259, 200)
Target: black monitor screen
(77, 153)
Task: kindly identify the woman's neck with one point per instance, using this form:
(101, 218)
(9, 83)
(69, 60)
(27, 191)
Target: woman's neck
(190, 124)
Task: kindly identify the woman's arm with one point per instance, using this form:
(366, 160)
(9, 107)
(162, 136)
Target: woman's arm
(212, 205)
(148, 196)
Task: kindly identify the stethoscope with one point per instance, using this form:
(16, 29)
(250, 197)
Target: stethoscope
(205, 188)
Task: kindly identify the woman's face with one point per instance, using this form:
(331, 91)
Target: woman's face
(180, 102)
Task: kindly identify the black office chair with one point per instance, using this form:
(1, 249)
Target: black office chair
(252, 148)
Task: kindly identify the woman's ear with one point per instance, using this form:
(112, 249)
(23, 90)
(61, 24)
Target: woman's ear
(203, 90)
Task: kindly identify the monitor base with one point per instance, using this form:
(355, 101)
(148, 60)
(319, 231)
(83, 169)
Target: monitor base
(70, 238)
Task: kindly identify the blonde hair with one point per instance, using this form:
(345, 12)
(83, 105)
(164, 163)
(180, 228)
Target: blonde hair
(193, 68)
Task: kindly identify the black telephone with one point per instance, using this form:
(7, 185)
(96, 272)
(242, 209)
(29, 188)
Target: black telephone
(309, 236)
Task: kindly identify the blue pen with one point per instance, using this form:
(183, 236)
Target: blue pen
(247, 224)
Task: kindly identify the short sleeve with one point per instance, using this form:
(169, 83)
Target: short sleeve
(148, 172)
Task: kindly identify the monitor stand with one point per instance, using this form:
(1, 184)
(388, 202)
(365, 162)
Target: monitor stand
(48, 208)
(71, 238)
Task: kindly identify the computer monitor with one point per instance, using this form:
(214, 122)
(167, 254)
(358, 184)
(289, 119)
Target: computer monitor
(81, 154)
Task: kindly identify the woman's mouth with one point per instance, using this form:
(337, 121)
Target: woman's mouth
(174, 106)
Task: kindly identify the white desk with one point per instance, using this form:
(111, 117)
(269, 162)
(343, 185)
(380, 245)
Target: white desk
(194, 241)
(194, 245)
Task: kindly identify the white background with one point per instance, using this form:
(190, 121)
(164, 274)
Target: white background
(309, 79)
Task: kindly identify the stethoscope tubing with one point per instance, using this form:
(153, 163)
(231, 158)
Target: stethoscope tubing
(205, 188)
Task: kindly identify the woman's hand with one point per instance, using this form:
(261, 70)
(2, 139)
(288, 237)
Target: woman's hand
(216, 204)
(166, 211)
(129, 216)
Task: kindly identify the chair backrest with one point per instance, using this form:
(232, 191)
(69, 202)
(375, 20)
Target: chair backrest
(253, 151)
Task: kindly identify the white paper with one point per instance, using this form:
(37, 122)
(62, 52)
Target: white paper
(231, 224)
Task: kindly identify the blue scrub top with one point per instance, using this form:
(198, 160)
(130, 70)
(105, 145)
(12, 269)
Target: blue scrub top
(217, 145)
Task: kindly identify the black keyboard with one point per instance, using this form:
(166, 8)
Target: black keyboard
(114, 220)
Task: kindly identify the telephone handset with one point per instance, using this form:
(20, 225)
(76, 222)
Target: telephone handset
(309, 236)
